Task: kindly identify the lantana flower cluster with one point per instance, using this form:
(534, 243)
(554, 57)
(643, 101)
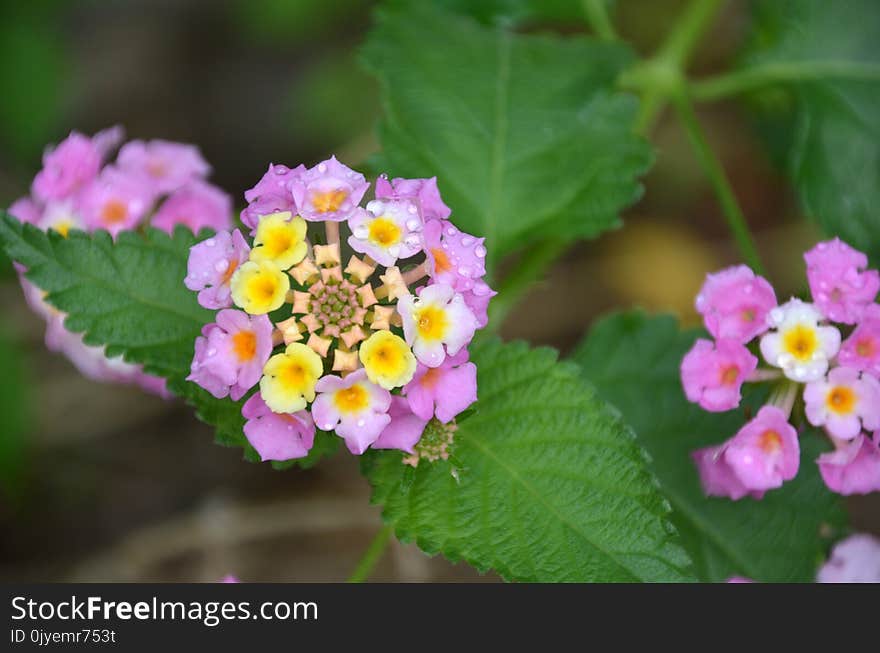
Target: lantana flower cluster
(158, 183)
(345, 318)
(823, 355)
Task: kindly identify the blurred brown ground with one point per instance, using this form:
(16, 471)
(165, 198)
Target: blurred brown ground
(122, 486)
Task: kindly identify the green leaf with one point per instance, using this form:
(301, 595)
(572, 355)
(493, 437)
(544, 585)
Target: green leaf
(828, 53)
(633, 359)
(129, 296)
(525, 133)
(545, 483)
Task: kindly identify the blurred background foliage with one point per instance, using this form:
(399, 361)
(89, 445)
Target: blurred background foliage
(132, 485)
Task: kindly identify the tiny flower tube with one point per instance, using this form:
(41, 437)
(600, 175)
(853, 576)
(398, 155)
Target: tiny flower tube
(289, 378)
(862, 349)
(259, 287)
(328, 191)
(211, 265)
(853, 560)
(387, 359)
(404, 430)
(197, 205)
(760, 457)
(354, 407)
(713, 373)
(231, 353)
(454, 257)
(165, 166)
(844, 402)
(853, 467)
(735, 303)
(437, 323)
(841, 285)
(799, 346)
(280, 239)
(277, 436)
(387, 230)
(443, 391)
(425, 191)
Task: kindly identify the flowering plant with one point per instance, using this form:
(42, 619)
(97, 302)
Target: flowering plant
(329, 337)
(801, 344)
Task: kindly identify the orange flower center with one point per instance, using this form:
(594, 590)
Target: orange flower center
(866, 348)
(770, 441)
(230, 270)
(114, 212)
(441, 260)
(329, 201)
(244, 344)
(729, 375)
(841, 400)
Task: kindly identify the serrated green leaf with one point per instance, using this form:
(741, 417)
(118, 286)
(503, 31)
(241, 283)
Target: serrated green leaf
(525, 133)
(545, 482)
(834, 158)
(634, 359)
(129, 296)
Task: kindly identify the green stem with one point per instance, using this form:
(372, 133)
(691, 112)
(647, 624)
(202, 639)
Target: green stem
(529, 269)
(722, 86)
(662, 75)
(720, 184)
(598, 18)
(372, 555)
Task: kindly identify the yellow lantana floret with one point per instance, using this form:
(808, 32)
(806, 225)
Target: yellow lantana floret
(281, 240)
(289, 379)
(259, 287)
(388, 360)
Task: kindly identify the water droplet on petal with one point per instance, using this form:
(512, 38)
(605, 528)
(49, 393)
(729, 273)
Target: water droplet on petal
(322, 168)
(210, 242)
(466, 241)
(413, 224)
(451, 231)
(464, 271)
(361, 423)
(480, 251)
(211, 352)
(221, 266)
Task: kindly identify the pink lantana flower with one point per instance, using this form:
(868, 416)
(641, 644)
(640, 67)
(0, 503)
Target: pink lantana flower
(387, 230)
(211, 266)
(862, 349)
(800, 345)
(423, 190)
(115, 201)
(760, 457)
(713, 374)
(271, 194)
(853, 467)
(355, 407)
(840, 283)
(197, 205)
(67, 168)
(437, 323)
(329, 191)
(164, 165)
(844, 402)
(404, 430)
(277, 436)
(454, 258)
(853, 560)
(230, 355)
(26, 210)
(444, 391)
(735, 303)
(477, 299)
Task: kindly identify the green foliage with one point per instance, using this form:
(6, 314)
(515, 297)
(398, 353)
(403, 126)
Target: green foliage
(525, 133)
(129, 295)
(633, 359)
(32, 69)
(545, 482)
(828, 53)
(13, 417)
